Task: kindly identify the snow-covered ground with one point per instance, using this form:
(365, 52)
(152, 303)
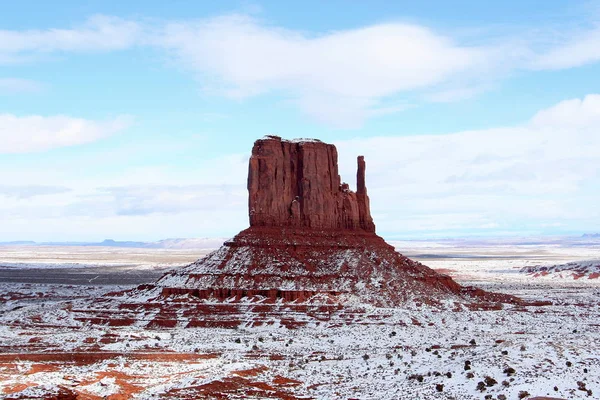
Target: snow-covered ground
(586, 269)
(410, 353)
(89, 257)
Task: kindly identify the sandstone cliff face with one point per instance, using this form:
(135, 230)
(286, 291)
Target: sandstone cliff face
(297, 184)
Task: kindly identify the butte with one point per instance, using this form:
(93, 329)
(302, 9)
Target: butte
(311, 252)
(312, 239)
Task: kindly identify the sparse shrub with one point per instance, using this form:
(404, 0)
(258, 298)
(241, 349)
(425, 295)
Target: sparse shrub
(523, 348)
(501, 397)
(509, 371)
(489, 381)
(505, 383)
(472, 342)
(481, 386)
(523, 394)
(417, 377)
(569, 363)
(260, 339)
(504, 352)
(365, 357)
(470, 375)
(439, 387)
(238, 340)
(449, 374)
(556, 388)
(467, 365)
(393, 333)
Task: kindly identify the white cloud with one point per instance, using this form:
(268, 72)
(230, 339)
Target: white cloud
(17, 85)
(544, 171)
(21, 192)
(38, 133)
(574, 50)
(340, 77)
(531, 177)
(98, 33)
(133, 200)
(345, 77)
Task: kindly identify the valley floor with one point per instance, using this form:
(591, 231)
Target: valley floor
(412, 353)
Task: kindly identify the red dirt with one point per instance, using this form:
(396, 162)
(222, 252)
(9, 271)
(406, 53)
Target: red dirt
(251, 372)
(230, 388)
(17, 388)
(283, 381)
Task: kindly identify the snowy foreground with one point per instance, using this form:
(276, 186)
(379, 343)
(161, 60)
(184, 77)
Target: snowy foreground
(411, 353)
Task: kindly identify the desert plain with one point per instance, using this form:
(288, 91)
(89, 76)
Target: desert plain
(412, 352)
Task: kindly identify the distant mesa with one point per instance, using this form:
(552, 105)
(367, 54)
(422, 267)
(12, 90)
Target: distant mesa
(311, 238)
(586, 269)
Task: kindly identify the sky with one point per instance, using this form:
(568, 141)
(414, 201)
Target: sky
(135, 120)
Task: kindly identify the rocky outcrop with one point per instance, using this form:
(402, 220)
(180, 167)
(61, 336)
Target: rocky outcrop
(297, 184)
(311, 237)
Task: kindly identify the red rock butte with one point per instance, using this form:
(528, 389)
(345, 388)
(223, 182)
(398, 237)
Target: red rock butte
(297, 184)
(311, 239)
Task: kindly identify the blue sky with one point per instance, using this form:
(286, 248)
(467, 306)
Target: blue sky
(134, 120)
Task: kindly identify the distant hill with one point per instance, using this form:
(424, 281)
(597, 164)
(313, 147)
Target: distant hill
(174, 243)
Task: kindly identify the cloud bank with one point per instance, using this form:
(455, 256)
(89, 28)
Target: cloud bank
(340, 78)
(38, 133)
(545, 171)
(539, 176)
